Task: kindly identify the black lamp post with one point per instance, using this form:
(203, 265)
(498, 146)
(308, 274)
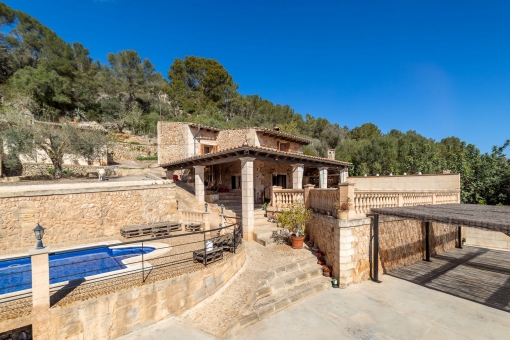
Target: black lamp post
(206, 206)
(222, 209)
(39, 234)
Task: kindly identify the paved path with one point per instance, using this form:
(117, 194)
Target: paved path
(393, 309)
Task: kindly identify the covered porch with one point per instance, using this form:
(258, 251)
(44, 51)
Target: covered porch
(259, 174)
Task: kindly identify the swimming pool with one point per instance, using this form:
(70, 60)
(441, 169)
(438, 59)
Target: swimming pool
(16, 274)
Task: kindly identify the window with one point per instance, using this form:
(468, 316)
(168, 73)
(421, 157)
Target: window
(208, 149)
(284, 147)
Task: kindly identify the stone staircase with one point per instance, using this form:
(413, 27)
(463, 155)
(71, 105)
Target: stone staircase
(232, 201)
(282, 287)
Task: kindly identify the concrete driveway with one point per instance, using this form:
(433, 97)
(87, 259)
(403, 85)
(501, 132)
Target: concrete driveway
(393, 309)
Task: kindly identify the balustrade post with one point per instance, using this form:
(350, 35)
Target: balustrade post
(400, 200)
(346, 194)
(306, 196)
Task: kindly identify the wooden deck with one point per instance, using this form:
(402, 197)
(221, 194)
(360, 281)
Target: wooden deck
(476, 274)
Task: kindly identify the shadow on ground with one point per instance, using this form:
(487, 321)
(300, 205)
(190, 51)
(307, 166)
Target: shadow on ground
(475, 274)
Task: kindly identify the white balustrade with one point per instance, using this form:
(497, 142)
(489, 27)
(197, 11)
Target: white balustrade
(285, 197)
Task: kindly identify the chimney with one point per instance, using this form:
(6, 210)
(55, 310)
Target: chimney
(331, 153)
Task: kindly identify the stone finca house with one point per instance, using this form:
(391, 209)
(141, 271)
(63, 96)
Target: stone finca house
(244, 168)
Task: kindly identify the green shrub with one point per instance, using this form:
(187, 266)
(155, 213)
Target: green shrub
(147, 158)
(67, 172)
(51, 171)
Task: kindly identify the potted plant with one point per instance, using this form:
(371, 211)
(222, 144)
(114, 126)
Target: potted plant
(343, 209)
(463, 241)
(294, 218)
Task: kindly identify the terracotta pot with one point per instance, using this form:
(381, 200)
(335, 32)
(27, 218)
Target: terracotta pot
(329, 213)
(343, 214)
(297, 242)
(324, 212)
(327, 274)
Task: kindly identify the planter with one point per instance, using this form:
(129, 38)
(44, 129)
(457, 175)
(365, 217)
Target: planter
(343, 214)
(212, 198)
(297, 242)
(323, 212)
(329, 213)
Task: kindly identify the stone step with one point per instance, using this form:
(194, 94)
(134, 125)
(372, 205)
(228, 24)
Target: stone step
(282, 287)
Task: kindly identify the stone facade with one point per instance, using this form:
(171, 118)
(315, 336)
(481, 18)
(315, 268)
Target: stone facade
(81, 212)
(115, 314)
(347, 245)
(228, 139)
(174, 141)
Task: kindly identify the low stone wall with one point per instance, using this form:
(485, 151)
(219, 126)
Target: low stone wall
(80, 212)
(347, 244)
(129, 152)
(32, 171)
(485, 238)
(116, 314)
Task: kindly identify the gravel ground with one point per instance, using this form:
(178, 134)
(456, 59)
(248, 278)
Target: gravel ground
(215, 314)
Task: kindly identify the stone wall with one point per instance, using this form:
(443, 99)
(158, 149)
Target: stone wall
(174, 141)
(115, 314)
(485, 238)
(33, 171)
(81, 212)
(409, 182)
(272, 142)
(401, 242)
(129, 152)
(228, 139)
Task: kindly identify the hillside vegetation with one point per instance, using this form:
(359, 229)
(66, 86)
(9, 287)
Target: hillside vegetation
(43, 76)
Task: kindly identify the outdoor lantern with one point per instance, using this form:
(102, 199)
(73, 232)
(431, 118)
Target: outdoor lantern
(206, 206)
(39, 233)
(222, 209)
(334, 283)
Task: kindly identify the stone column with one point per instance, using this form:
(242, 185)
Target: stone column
(344, 174)
(307, 193)
(248, 199)
(344, 265)
(297, 176)
(199, 183)
(323, 178)
(169, 174)
(43, 326)
(346, 195)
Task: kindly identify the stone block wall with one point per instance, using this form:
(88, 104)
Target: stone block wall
(485, 238)
(115, 314)
(129, 152)
(80, 213)
(34, 170)
(347, 244)
(174, 141)
(228, 139)
(409, 182)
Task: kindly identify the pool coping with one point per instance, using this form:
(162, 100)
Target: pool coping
(132, 264)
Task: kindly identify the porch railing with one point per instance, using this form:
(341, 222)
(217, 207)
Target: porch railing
(281, 198)
(362, 201)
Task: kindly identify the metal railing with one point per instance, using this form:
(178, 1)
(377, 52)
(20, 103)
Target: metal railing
(173, 255)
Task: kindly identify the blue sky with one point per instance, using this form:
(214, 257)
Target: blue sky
(441, 68)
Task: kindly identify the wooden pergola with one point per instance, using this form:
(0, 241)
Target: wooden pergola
(484, 217)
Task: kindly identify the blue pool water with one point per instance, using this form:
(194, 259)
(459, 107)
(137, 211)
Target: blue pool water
(16, 274)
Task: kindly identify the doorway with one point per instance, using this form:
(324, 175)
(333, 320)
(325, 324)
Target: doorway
(280, 180)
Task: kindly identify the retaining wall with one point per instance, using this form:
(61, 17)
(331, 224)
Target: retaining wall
(116, 314)
(80, 213)
(347, 244)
